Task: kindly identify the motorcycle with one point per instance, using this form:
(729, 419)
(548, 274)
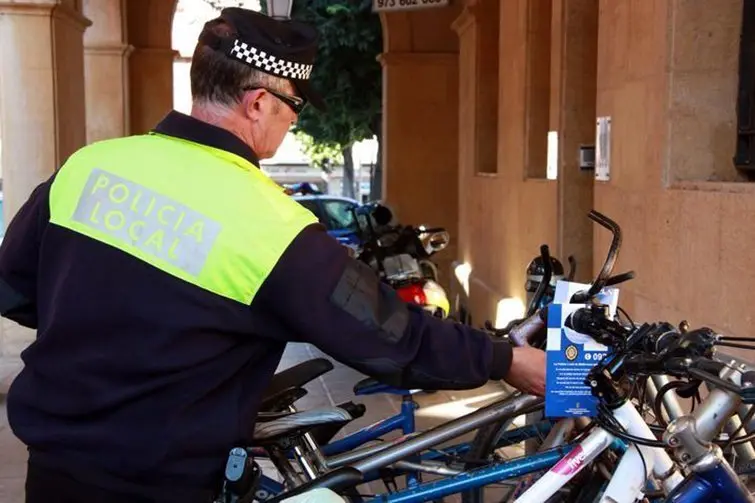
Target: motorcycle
(401, 255)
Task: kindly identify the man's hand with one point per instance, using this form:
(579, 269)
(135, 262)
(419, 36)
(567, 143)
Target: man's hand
(527, 372)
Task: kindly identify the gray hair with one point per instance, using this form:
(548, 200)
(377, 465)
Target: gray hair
(216, 79)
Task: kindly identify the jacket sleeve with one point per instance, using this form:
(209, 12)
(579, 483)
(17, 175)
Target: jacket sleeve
(19, 258)
(321, 295)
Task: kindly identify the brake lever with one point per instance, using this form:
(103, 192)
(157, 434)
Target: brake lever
(706, 376)
(584, 295)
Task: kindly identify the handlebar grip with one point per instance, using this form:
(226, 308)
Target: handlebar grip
(531, 332)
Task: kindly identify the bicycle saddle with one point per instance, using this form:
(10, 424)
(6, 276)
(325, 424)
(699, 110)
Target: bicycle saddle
(273, 427)
(287, 386)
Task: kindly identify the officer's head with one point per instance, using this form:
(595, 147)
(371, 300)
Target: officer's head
(250, 74)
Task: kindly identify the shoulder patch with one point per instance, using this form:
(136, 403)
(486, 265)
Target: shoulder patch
(360, 293)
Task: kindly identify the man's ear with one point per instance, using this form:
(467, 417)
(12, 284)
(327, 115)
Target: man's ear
(252, 103)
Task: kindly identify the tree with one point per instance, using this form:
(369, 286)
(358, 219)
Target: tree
(348, 74)
(322, 155)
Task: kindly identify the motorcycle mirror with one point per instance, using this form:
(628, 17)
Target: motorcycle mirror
(436, 241)
(382, 215)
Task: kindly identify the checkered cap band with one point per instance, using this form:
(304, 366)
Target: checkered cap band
(269, 63)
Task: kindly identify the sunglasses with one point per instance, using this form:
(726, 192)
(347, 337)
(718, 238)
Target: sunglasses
(295, 103)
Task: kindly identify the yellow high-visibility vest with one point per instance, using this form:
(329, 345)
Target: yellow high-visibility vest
(204, 215)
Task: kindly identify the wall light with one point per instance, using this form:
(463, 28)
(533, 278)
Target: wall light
(507, 310)
(462, 273)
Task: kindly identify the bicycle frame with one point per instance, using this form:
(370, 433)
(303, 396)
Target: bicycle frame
(711, 476)
(404, 421)
(477, 478)
(717, 482)
(625, 488)
(269, 487)
(371, 458)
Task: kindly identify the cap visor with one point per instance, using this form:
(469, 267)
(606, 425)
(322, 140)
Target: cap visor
(312, 96)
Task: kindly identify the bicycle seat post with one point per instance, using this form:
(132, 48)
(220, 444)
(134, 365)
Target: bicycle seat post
(308, 454)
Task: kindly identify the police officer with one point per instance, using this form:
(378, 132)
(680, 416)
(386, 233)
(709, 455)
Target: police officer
(164, 274)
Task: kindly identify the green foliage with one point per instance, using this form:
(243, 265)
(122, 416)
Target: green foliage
(346, 71)
(322, 154)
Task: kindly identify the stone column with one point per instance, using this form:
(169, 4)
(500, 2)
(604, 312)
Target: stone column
(106, 70)
(421, 142)
(42, 114)
(151, 86)
(574, 62)
(150, 66)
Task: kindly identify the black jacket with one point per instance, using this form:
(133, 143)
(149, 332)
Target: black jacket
(138, 379)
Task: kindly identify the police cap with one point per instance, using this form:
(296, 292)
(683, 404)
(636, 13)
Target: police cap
(283, 48)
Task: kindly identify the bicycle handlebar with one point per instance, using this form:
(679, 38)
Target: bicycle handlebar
(613, 253)
(545, 281)
(530, 332)
(655, 349)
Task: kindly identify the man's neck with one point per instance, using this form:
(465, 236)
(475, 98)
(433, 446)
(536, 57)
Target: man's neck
(211, 114)
(221, 117)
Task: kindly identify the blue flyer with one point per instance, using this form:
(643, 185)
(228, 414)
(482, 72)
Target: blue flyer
(570, 356)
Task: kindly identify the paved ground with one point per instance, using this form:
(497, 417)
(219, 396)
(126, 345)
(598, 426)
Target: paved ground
(332, 388)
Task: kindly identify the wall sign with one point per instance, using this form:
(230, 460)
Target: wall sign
(603, 149)
(396, 5)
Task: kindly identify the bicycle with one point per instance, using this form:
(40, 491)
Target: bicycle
(504, 410)
(606, 434)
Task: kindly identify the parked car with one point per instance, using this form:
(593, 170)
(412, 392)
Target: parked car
(335, 213)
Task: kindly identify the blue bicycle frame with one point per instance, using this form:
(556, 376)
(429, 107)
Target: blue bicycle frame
(477, 478)
(719, 484)
(403, 421)
(464, 481)
(269, 487)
